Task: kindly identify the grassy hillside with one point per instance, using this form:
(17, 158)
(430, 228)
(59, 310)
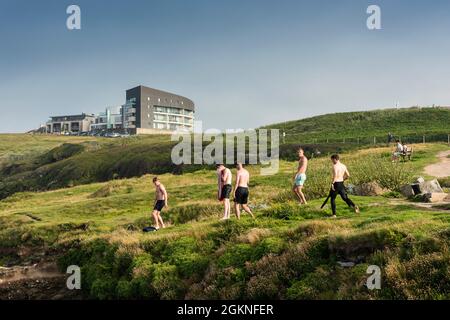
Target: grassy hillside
(36, 163)
(74, 161)
(406, 123)
(288, 252)
(18, 147)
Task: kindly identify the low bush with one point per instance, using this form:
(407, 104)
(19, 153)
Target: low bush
(444, 182)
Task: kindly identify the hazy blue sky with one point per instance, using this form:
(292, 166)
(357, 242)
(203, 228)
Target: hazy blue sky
(245, 63)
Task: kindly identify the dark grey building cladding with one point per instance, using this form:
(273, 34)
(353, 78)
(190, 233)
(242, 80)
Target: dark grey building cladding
(156, 109)
(78, 117)
(70, 123)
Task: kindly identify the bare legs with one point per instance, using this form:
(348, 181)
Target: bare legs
(227, 209)
(237, 207)
(159, 223)
(299, 193)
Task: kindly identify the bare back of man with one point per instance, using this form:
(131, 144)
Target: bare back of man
(160, 192)
(241, 191)
(340, 172)
(339, 175)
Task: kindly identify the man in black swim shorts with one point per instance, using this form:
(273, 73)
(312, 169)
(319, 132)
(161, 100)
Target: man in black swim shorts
(241, 190)
(224, 177)
(160, 203)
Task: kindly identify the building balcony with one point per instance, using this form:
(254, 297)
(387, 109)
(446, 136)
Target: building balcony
(132, 118)
(131, 110)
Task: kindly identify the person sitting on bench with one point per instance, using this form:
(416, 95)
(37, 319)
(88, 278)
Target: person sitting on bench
(398, 151)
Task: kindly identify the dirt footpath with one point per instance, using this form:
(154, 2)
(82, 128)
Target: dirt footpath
(442, 168)
(35, 282)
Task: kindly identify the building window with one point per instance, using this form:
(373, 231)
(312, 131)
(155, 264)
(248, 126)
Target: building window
(159, 126)
(174, 110)
(160, 117)
(148, 98)
(160, 109)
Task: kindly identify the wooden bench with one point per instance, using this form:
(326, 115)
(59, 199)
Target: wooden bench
(407, 153)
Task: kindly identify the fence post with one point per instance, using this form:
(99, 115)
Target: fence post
(358, 139)
(374, 140)
(423, 140)
(448, 139)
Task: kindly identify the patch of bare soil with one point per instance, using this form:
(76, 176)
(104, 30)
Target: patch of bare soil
(31, 273)
(35, 282)
(439, 206)
(442, 168)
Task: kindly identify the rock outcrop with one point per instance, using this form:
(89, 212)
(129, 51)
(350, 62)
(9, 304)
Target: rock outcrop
(368, 189)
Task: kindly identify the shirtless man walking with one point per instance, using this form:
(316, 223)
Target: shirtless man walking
(241, 190)
(160, 203)
(224, 185)
(339, 174)
(300, 177)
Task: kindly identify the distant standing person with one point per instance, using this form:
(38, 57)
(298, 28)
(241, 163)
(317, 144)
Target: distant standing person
(300, 176)
(160, 202)
(224, 186)
(390, 137)
(241, 190)
(340, 174)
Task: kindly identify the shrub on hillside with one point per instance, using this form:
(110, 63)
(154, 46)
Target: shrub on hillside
(422, 277)
(444, 182)
(166, 282)
(189, 257)
(64, 151)
(389, 175)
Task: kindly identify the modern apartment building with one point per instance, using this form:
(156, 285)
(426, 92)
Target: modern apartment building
(149, 110)
(70, 124)
(111, 118)
(146, 111)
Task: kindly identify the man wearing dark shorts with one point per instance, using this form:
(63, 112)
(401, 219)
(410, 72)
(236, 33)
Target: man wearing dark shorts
(224, 183)
(160, 203)
(241, 190)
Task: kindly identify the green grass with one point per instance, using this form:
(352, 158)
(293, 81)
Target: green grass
(288, 252)
(18, 147)
(75, 161)
(41, 162)
(406, 123)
